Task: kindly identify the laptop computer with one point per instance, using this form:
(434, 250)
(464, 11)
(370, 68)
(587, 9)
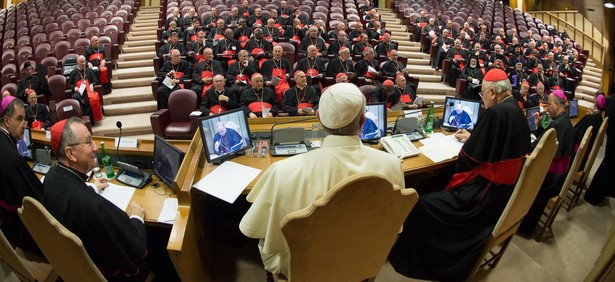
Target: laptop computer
(288, 141)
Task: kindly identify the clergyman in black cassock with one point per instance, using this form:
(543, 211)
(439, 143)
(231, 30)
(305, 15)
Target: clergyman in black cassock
(444, 234)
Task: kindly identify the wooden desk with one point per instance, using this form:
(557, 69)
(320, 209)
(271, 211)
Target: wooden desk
(144, 147)
(190, 243)
(150, 197)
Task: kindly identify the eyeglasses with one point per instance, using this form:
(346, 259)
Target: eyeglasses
(87, 142)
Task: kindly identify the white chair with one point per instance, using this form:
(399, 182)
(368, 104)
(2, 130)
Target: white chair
(347, 234)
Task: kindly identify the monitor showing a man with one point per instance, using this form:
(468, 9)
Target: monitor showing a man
(296, 182)
(460, 118)
(226, 139)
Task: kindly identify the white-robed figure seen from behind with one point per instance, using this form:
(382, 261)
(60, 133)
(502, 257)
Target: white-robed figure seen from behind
(295, 183)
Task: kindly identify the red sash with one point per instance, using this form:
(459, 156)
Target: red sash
(257, 107)
(246, 14)
(218, 36)
(193, 37)
(37, 124)
(295, 37)
(228, 54)
(283, 85)
(94, 100)
(243, 40)
(200, 58)
(313, 72)
(258, 51)
(405, 98)
(461, 64)
(258, 21)
(206, 86)
(267, 37)
(103, 70)
(216, 109)
(178, 75)
(389, 105)
(422, 24)
(500, 173)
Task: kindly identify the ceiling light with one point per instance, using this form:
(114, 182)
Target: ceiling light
(609, 5)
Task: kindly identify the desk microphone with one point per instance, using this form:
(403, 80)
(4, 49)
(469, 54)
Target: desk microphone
(286, 122)
(119, 139)
(409, 113)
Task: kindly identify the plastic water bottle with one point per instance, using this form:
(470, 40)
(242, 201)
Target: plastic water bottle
(264, 150)
(546, 120)
(106, 159)
(430, 119)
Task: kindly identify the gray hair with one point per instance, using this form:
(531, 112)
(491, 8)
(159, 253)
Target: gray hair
(368, 50)
(68, 137)
(501, 87)
(354, 128)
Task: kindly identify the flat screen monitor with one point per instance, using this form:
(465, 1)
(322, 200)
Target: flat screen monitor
(460, 113)
(573, 108)
(24, 146)
(167, 159)
(224, 135)
(531, 121)
(375, 122)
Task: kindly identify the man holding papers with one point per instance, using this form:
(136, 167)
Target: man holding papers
(115, 240)
(444, 232)
(306, 177)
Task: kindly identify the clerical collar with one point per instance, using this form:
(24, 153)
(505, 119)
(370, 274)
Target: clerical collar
(77, 173)
(559, 115)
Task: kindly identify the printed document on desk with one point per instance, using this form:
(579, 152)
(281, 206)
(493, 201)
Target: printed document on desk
(169, 211)
(227, 181)
(440, 147)
(118, 195)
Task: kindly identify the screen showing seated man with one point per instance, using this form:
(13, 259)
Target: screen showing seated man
(460, 113)
(573, 108)
(224, 134)
(531, 121)
(23, 145)
(167, 159)
(375, 122)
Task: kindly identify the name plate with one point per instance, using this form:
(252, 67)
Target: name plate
(127, 143)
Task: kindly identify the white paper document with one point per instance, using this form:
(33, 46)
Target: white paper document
(227, 181)
(440, 147)
(168, 82)
(169, 211)
(81, 88)
(119, 195)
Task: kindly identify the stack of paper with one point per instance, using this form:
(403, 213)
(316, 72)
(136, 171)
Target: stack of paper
(439, 147)
(227, 181)
(118, 195)
(169, 211)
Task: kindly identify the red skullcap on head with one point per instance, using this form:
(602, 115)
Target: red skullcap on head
(559, 94)
(525, 83)
(387, 82)
(30, 91)
(201, 32)
(297, 72)
(56, 135)
(398, 76)
(495, 75)
(339, 75)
